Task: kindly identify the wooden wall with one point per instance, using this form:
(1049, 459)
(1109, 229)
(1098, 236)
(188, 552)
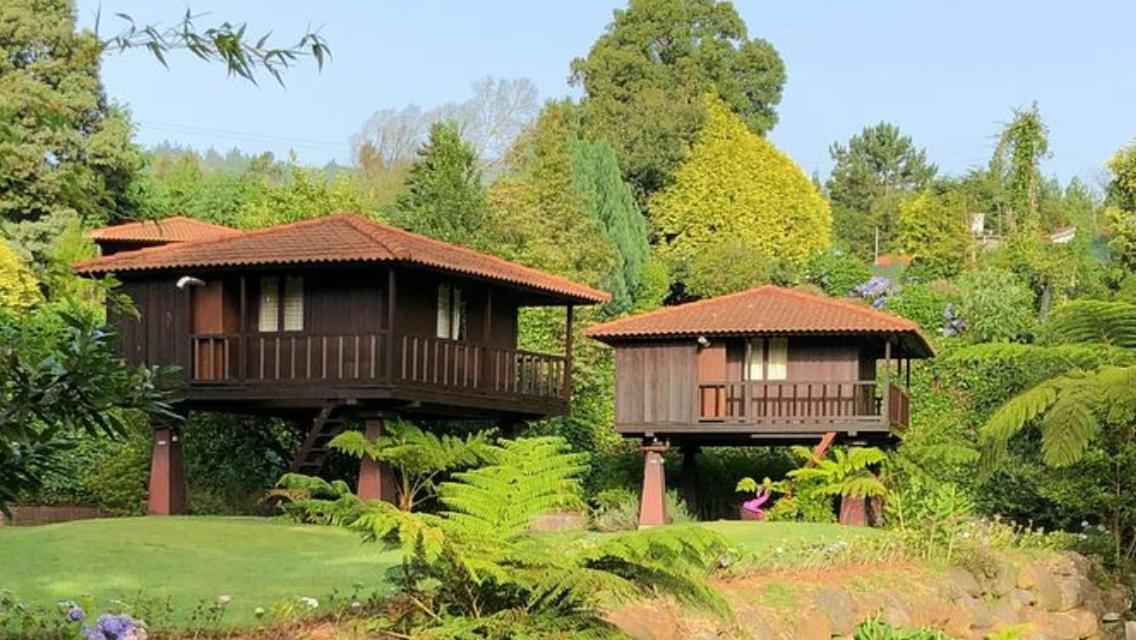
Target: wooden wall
(336, 302)
(655, 382)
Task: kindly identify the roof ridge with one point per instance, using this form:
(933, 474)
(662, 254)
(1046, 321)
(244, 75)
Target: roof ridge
(848, 305)
(366, 226)
(686, 306)
(194, 244)
(158, 222)
(468, 250)
(852, 306)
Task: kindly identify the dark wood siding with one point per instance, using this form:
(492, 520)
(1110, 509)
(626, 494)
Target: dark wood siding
(161, 335)
(655, 382)
(823, 359)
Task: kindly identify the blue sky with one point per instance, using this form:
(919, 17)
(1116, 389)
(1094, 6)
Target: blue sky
(947, 72)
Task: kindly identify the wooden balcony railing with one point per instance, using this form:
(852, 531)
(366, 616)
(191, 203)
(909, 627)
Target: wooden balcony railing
(360, 358)
(803, 401)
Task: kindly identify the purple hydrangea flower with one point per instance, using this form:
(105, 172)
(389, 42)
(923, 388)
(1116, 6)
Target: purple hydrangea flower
(111, 627)
(876, 291)
(76, 613)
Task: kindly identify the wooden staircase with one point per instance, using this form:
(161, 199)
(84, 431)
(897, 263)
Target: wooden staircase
(314, 451)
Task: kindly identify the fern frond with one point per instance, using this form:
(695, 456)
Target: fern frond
(1069, 426)
(1094, 321)
(1017, 412)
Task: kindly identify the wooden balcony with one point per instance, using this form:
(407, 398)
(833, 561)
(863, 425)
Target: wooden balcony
(732, 412)
(374, 366)
(863, 405)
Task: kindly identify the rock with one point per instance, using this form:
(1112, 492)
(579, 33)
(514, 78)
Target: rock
(1004, 581)
(964, 582)
(977, 612)
(896, 613)
(930, 611)
(1036, 577)
(1067, 625)
(1070, 592)
(839, 607)
(814, 625)
(1005, 612)
(1130, 630)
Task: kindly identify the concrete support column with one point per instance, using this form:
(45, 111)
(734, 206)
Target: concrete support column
(688, 480)
(167, 474)
(376, 481)
(854, 511)
(652, 502)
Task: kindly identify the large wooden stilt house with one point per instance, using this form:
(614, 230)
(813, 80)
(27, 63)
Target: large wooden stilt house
(764, 366)
(329, 321)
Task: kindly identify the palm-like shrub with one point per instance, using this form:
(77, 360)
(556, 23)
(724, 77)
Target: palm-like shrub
(417, 456)
(1097, 341)
(477, 570)
(1088, 398)
(843, 473)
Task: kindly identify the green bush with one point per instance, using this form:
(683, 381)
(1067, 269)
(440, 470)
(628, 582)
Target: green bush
(924, 304)
(836, 273)
(996, 307)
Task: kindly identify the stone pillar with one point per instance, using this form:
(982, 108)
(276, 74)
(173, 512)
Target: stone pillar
(688, 479)
(376, 482)
(854, 511)
(167, 474)
(652, 502)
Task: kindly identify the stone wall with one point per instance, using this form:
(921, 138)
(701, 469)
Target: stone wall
(1045, 598)
(30, 514)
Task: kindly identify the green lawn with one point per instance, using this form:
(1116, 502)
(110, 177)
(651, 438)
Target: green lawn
(759, 537)
(257, 562)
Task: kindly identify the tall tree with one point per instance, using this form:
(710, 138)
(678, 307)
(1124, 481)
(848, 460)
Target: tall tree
(934, 228)
(876, 164)
(1016, 165)
(1122, 179)
(644, 78)
(443, 197)
(65, 151)
(609, 199)
(737, 188)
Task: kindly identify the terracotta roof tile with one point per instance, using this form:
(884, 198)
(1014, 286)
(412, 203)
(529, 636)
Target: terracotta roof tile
(340, 238)
(174, 229)
(766, 309)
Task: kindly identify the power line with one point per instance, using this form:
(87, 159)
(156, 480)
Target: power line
(245, 136)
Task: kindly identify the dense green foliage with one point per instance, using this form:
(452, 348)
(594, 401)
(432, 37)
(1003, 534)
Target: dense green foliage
(869, 178)
(65, 150)
(934, 229)
(443, 196)
(736, 195)
(643, 80)
(477, 570)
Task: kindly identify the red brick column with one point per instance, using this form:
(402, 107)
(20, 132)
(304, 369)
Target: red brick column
(854, 511)
(376, 481)
(167, 474)
(652, 502)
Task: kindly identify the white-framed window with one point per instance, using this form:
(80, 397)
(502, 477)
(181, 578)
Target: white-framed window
(451, 315)
(281, 304)
(768, 359)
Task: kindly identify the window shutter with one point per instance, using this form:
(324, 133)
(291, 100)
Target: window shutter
(293, 303)
(269, 313)
(778, 358)
(457, 321)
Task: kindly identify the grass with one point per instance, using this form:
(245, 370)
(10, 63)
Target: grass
(257, 562)
(760, 538)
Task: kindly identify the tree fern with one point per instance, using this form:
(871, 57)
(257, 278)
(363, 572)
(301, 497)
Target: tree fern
(476, 567)
(1094, 322)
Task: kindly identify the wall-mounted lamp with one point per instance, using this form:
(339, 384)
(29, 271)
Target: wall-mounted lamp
(703, 341)
(189, 281)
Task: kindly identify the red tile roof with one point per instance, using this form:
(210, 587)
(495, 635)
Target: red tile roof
(764, 310)
(166, 230)
(340, 238)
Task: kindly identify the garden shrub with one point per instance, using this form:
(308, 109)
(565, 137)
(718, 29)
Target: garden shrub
(996, 307)
(924, 304)
(836, 273)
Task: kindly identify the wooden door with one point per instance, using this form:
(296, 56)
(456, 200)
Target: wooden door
(712, 376)
(211, 316)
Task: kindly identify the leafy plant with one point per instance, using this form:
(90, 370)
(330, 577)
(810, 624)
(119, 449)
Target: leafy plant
(418, 456)
(476, 569)
(876, 629)
(844, 473)
(931, 514)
